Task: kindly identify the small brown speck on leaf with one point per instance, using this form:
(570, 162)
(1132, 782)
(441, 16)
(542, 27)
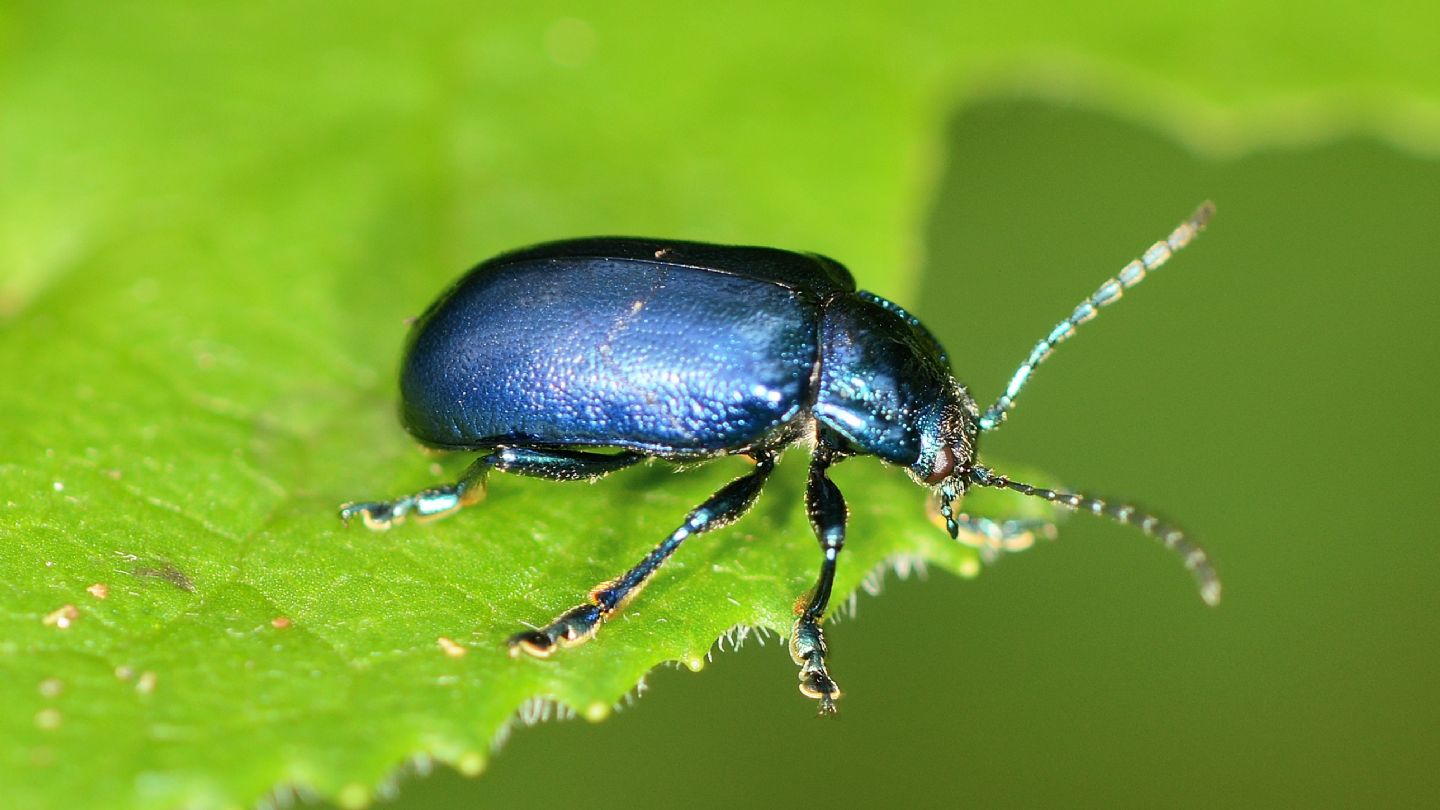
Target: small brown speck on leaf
(280, 622)
(62, 618)
(169, 573)
(450, 647)
(99, 590)
(146, 684)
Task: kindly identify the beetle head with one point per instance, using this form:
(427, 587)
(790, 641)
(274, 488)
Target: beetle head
(947, 449)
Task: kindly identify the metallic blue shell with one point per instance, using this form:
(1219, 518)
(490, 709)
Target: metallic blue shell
(673, 348)
(884, 382)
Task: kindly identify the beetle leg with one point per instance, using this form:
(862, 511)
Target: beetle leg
(437, 502)
(427, 504)
(995, 537)
(826, 507)
(580, 623)
(560, 465)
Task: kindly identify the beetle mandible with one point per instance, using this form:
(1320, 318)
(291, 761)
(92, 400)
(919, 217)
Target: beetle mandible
(684, 351)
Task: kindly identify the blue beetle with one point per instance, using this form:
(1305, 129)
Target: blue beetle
(685, 351)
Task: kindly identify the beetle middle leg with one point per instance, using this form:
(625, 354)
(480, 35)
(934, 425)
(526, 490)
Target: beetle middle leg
(826, 507)
(579, 624)
(446, 499)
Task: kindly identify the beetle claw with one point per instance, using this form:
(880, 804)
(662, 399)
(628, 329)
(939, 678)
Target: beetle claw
(817, 685)
(534, 642)
(378, 517)
(575, 626)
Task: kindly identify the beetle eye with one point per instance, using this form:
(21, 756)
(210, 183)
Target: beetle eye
(944, 463)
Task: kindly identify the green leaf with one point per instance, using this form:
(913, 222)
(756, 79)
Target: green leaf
(213, 222)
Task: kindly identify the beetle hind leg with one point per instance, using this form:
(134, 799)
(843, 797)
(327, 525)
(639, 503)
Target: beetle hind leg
(438, 502)
(580, 623)
(427, 504)
(826, 507)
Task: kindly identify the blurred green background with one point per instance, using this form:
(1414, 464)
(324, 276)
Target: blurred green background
(1270, 389)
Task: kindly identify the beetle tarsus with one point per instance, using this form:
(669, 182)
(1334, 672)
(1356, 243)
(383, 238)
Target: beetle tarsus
(807, 649)
(573, 627)
(534, 642)
(378, 516)
(993, 538)
(427, 504)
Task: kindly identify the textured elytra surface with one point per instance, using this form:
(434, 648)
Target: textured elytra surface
(204, 282)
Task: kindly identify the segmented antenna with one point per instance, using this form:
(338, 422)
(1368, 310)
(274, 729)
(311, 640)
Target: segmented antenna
(1109, 292)
(1196, 561)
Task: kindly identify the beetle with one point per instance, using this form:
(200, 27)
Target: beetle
(570, 360)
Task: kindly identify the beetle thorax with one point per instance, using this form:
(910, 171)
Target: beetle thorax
(885, 387)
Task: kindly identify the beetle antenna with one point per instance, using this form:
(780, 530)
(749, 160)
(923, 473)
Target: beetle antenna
(1172, 537)
(1109, 292)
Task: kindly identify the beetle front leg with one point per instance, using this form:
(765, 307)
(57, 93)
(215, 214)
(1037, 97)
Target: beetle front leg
(826, 507)
(437, 502)
(995, 537)
(579, 624)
